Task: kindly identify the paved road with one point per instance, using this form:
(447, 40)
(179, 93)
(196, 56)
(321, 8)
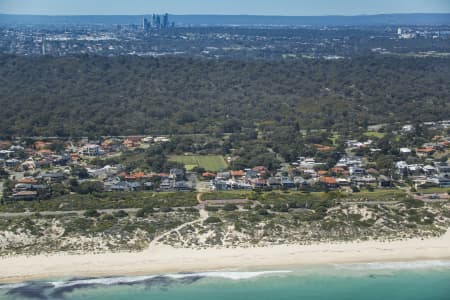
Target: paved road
(199, 206)
(60, 212)
(80, 212)
(370, 202)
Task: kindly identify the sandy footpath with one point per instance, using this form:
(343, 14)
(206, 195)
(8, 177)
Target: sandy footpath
(161, 259)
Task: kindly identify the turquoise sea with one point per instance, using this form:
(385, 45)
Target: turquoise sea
(428, 280)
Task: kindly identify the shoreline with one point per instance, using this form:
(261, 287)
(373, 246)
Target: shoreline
(162, 259)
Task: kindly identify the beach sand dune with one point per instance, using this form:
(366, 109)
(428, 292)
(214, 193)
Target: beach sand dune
(159, 259)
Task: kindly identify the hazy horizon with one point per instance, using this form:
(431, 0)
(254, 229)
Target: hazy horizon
(230, 7)
(237, 15)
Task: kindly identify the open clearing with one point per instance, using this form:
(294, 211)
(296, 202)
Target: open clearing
(212, 163)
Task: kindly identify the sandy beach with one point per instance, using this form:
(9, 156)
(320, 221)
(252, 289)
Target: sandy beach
(160, 259)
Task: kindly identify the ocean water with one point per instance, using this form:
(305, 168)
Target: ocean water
(428, 280)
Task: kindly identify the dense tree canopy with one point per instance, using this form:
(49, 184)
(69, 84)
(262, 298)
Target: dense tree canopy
(75, 96)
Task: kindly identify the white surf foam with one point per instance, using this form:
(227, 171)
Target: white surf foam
(136, 279)
(11, 286)
(429, 264)
(101, 281)
(229, 275)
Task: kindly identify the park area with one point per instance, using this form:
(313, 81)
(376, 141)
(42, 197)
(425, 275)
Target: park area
(212, 163)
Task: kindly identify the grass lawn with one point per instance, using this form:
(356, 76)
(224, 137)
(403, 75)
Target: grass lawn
(436, 190)
(374, 134)
(439, 155)
(334, 138)
(379, 194)
(226, 195)
(212, 163)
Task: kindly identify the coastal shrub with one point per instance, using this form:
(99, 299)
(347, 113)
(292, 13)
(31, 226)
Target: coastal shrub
(91, 213)
(165, 209)
(104, 225)
(120, 214)
(252, 196)
(413, 203)
(230, 207)
(263, 212)
(280, 207)
(365, 223)
(108, 217)
(140, 213)
(79, 225)
(212, 220)
(355, 217)
(89, 187)
(211, 208)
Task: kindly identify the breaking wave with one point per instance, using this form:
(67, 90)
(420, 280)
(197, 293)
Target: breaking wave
(57, 289)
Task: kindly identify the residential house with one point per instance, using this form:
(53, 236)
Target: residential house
(356, 171)
(5, 154)
(208, 175)
(176, 174)
(182, 186)
(259, 183)
(274, 182)
(329, 182)
(238, 174)
(91, 150)
(223, 176)
(363, 180)
(25, 195)
(405, 151)
(287, 183)
(422, 152)
(53, 177)
(12, 163)
(166, 184)
(385, 182)
(444, 181)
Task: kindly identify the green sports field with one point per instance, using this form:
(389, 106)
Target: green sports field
(375, 134)
(212, 163)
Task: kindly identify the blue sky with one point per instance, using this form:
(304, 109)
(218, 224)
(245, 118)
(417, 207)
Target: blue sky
(254, 7)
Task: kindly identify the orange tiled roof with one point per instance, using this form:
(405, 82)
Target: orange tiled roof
(237, 173)
(328, 180)
(208, 174)
(27, 180)
(372, 171)
(338, 170)
(259, 169)
(425, 150)
(39, 145)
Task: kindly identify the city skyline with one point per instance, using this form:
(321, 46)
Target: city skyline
(229, 7)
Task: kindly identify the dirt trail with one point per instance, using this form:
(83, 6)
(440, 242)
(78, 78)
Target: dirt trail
(203, 216)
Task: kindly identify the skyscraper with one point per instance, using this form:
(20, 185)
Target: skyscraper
(145, 24)
(165, 23)
(43, 45)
